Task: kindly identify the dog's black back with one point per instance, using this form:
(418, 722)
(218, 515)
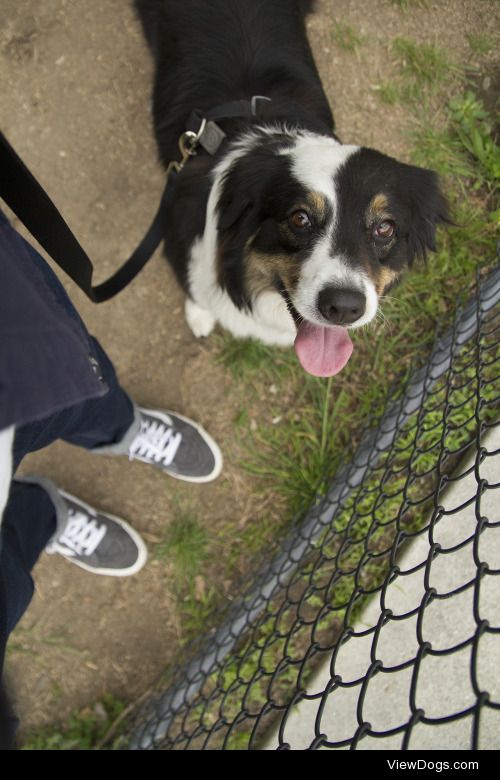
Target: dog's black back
(209, 52)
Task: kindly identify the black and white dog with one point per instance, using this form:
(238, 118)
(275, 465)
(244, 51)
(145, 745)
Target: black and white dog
(285, 235)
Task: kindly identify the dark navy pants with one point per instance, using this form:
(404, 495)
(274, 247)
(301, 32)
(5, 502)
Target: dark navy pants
(29, 518)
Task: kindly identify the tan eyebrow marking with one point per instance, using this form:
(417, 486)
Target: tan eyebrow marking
(378, 209)
(317, 202)
(379, 202)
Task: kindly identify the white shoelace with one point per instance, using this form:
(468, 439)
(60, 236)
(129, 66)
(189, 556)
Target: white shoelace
(155, 441)
(81, 535)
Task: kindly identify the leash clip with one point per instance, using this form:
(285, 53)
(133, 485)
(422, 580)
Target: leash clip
(188, 142)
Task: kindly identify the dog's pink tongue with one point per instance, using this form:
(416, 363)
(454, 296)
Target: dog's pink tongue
(322, 351)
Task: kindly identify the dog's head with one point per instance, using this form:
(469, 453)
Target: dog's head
(331, 227)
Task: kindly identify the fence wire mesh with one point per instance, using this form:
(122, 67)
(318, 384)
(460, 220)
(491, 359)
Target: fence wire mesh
(377, 624)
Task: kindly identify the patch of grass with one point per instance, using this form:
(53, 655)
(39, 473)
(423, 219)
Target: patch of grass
(188, 546)
(186, 543)
(196, 607)
(241, 419)
(467, 154)
(346, 37)
(405, 5)
(473, 128)
(393, 92)
(83, 730)
(425, 72)
(425, 63)
(481, 43)
(441, 150)
(243, 358)
(258, 535)
(388, 92)
(295, 454)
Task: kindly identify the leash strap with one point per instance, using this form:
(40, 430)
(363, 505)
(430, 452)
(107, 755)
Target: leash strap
(31, 204)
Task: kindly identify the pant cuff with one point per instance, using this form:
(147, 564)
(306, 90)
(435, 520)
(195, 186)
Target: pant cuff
(60, 505)
(121, 447)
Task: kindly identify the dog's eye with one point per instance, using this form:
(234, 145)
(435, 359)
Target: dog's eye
(300, 220)
(385, 229)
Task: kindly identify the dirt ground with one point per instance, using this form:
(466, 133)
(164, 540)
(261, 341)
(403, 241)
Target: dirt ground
(75, 80)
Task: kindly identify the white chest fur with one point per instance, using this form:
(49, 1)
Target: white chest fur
(269, 321)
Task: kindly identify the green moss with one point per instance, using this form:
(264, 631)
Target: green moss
(83, 730)
(346, 38)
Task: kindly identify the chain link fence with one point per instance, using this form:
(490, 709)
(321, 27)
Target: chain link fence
(377, 624)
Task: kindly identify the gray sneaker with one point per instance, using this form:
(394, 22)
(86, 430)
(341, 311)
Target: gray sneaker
(177, 446)
(98, 542)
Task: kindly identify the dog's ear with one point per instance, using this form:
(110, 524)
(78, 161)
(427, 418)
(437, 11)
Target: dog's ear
(238, 220)
(428, 208)
(234, 206)
(237, 224)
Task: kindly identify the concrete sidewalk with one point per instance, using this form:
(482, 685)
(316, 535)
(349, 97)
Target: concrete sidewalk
(444, 684)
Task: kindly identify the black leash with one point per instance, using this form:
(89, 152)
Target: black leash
(31, 204)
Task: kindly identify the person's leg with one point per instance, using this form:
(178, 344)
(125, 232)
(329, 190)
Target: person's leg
(105, 421)
(113, 425)
(29, 522)
(38, 516)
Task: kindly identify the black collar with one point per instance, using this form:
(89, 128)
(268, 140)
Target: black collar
(209, 134)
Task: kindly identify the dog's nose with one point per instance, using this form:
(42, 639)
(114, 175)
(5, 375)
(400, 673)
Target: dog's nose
(340, 306)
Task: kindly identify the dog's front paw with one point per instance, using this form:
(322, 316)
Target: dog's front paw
(200, 320)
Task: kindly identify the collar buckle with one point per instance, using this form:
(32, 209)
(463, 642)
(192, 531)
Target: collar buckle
(254, 101)
(211, 137)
